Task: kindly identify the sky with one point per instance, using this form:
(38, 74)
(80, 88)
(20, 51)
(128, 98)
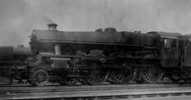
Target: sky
(19, 17)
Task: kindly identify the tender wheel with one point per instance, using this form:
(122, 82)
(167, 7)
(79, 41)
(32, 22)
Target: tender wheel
(187, 75)
(175, 76)
(39, 77)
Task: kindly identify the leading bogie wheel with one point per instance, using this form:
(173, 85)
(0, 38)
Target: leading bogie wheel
(39, 77)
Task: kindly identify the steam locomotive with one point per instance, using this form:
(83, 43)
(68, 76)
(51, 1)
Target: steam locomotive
(104, 56)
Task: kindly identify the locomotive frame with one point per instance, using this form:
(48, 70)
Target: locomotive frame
(106, 57)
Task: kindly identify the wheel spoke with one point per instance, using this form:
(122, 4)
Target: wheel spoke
(151, 75)
(118, 76)
(39, 77)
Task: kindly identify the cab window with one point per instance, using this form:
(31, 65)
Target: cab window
(167, 43)
(170, 43)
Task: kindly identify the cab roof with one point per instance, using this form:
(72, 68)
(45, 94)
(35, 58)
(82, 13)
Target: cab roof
(167, 34)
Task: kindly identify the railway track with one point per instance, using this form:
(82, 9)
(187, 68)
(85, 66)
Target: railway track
(94, 92)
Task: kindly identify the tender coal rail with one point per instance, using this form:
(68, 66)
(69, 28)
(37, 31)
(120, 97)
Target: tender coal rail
(92, 92)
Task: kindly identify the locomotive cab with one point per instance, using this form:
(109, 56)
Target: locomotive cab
(170, 49)
(187, 51)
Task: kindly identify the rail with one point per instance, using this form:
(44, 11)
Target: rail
(93, 92)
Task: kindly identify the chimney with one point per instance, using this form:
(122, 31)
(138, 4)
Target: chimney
(52, 26)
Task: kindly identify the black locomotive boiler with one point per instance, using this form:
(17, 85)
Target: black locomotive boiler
(106, 56)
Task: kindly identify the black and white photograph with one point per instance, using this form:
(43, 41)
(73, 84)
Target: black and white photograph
(95, 49)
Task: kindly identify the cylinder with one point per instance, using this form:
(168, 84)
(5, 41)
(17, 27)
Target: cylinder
(57, 49)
